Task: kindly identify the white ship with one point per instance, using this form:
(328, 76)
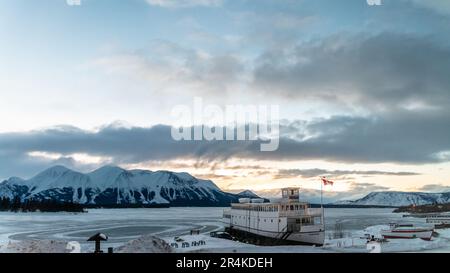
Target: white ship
(287, 222)
(407, 231)
(439, 219)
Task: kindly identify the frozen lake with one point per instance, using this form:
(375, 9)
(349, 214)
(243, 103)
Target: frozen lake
(122, 225)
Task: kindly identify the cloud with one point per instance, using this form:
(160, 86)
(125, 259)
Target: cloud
(124, 145)
(355, 191)
(185, 3)
(276, 29)
(169, 65)
(389, 70)
(408, 137)
(435, 188)
(439, 6)
(309, 173)
(404, 137)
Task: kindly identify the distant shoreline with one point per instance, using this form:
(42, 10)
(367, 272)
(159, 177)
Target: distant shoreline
(353, 206)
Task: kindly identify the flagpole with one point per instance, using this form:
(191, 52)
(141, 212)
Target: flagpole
(321, 195)
(321, 203)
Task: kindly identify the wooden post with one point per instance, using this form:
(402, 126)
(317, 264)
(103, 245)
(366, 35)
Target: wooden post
(97, 247)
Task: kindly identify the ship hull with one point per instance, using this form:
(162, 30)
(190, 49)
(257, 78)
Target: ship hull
(314, 238)
(425, 235)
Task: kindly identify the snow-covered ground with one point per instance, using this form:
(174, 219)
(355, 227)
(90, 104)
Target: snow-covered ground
(50, 232)
(121, 225)
(145, 244)
(35, 246)
(216, 245)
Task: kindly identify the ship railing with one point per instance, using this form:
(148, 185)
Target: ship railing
(292, 213)
(315, 211)
(307, 212)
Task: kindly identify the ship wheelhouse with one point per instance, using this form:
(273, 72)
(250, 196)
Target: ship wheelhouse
(287, 218)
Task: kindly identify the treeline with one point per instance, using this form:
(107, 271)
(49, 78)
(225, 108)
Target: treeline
(17, 205)
(432, 208)
(126, 206)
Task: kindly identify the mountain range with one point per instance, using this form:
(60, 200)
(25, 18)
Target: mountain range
(399, 199)
(114, 186)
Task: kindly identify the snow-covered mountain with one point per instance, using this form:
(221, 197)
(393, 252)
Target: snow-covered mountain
(112, 185)
(248, 194)
(399, 199)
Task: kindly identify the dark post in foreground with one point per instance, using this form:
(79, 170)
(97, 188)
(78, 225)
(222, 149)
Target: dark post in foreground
(97, 238)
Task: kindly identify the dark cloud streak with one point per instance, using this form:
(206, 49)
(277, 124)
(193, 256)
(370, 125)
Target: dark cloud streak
(309, 173)
(408, 138)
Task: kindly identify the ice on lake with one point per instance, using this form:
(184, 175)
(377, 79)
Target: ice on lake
(123, 225)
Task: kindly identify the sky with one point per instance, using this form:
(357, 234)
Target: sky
(363, 90)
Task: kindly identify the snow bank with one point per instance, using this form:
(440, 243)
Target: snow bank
(193, 243)
(217, 245)
(267, 249)
(412, 245)
(36, 246)
(357, 243)
(145, 244)
(376, 230)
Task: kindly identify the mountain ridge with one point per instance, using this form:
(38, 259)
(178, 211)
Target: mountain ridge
(112, 185)
(398, 199)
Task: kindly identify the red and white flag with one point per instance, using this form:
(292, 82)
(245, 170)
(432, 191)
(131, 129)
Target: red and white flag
(326, 181)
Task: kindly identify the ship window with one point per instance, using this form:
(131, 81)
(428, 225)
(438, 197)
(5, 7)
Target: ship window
(306, 221)
(271, 220)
